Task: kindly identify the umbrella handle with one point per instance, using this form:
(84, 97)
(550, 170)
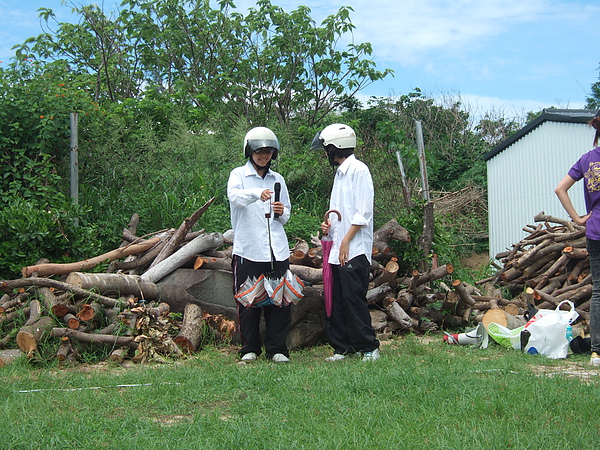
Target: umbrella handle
(339, 215)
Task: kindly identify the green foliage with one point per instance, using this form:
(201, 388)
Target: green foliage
(266, 65)
(35, 105)
(593, 101)
(29, 232)
(165, 92)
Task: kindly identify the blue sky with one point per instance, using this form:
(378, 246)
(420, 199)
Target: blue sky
(505, 57)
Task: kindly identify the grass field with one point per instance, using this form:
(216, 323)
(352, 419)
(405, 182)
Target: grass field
(422, 393)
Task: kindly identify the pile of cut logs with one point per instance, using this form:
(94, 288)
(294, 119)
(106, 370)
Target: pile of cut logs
(121, 309)
(546, 267)
(120, 312)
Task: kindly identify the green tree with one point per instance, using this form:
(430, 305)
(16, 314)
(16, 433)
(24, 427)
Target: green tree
(593, 101)
(267, 65)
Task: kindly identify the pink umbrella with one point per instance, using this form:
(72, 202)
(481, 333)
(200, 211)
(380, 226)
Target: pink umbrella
(326, 244)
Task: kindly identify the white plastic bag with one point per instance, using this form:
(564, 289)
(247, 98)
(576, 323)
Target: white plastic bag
(548, 331)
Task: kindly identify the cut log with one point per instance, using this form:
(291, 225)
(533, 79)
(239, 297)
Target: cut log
(179, 258)
(114, 284)
(190, 333)
(431, 275)
(462, 292)
(405, 299)
(212, 263)
(543, 217)
(71, 321)
(89, 312)
(378, 320)
(119, 354)
(48, 282)
(44, 270)
(17, 301)
(392, 230)
(378, 293)
(29, 336)
(132, 263)
(51, 302)
(501, 317)
(512, 309)
(6, 319)
(35, 312)
(305, 273)
(299, 252)
(396, 313)
(64, 349)
(8, 356)
(163, 309)
(177, 238)
(389, 273)
(101, 339)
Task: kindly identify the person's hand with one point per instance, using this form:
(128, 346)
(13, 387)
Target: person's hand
(325, 227)
(344, 252)
(277, 207)
(265, 195)
(581, 221)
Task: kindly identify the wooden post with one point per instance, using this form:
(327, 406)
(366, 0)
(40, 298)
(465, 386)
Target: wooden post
(74, 163)
(426, 238)
(405, 192)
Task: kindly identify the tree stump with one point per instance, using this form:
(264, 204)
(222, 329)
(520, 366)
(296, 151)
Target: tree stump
(191, 330)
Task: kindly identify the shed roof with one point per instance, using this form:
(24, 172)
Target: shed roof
(552, 115)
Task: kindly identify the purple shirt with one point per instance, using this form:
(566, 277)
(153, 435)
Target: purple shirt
(588, 167)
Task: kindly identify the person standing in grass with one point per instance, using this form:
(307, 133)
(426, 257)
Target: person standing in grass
(588, 169)
(349, 328)
(260, 245)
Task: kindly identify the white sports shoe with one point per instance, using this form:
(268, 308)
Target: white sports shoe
(280, 358)
(336, 357)
(250, 356)
(371, 356)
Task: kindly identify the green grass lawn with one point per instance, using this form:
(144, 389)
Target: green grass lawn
(422, 393)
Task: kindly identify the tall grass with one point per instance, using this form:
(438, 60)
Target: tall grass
(418, 395)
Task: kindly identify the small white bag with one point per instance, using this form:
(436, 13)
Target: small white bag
(548, 331)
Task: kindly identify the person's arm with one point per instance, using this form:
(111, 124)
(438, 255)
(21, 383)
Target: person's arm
(240, 197)
(363, 204)
(562, 192)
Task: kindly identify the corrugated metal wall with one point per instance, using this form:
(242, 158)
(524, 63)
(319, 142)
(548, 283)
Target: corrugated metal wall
(522, 179)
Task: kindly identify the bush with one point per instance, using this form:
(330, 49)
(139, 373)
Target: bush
(29, 232)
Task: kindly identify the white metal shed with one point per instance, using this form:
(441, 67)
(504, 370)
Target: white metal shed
(523, 172)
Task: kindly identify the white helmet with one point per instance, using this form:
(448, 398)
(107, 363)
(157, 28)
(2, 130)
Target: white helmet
(339, 135)
(260, 137)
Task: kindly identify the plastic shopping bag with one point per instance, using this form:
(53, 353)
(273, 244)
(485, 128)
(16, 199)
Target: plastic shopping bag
(548, 331)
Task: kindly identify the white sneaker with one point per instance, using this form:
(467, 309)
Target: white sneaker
(595, 359)
(280, 358)
(336, 357)
(371, 356)
(250, 356)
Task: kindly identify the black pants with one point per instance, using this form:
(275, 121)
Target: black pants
(277, 318)
(349, 328)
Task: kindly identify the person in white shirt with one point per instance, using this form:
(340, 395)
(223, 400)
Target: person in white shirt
(349, 328)
(260, 245)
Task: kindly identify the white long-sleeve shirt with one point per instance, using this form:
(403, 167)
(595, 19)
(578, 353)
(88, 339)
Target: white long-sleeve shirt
(251, 233)
(352, 195)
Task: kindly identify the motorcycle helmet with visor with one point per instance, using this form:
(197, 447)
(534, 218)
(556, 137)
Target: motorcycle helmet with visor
(339, 135)
(261, 140)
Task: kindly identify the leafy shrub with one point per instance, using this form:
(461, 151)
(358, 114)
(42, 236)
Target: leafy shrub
(29, 232)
